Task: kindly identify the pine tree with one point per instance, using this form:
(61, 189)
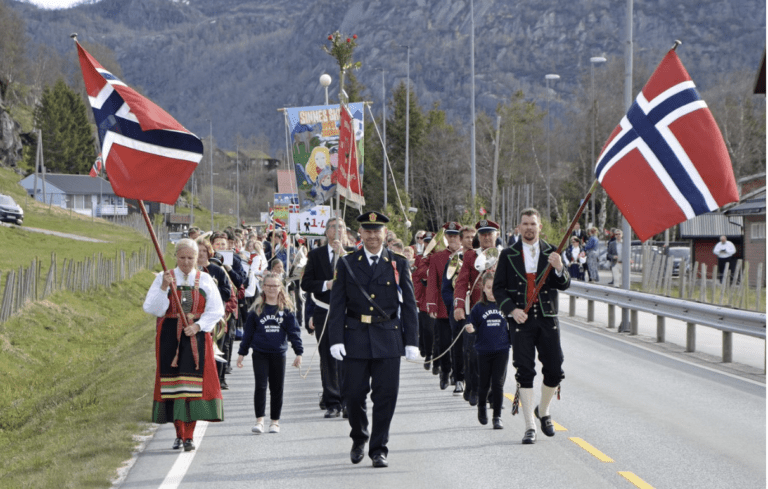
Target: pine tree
(68, 143)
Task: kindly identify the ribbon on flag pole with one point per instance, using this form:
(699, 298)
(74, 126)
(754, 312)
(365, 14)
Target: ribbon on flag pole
(666, 161)
(347, 176)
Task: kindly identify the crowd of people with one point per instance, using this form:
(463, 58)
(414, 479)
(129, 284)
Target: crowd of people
(369, 299)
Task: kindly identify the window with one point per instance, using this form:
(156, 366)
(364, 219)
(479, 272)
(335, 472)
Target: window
(79, 201)
(757, 230)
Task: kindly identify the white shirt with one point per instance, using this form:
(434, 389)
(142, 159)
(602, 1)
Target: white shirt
(157, 301)
(531, 257)
(724, 250)
(369, 255)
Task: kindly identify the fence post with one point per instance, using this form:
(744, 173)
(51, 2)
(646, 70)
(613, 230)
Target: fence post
(611, 316)
(758, 287)
(690, 336)
(703, 295)
(633, 327)
(572, 306)
(590, 311)
(660, 329)
(727, 347)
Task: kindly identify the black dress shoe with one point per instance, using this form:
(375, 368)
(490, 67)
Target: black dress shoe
(443, 381)
(427, 363)
(177, 443)
(332, 412)
(530, 437)
(465, 394)
(322, 405)
(357, 453)
(189, 445)
(497, 424)
(473, 398)
(380, 460)
(546, 423)
(482, 415)
(435, 369)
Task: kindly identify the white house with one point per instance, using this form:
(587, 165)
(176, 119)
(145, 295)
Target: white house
(81, 193)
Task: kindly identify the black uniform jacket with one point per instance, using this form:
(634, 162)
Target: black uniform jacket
(317, 271)
(366, 340)
(510, 284)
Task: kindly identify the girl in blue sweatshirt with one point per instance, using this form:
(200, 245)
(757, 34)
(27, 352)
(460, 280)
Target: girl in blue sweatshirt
(492, 345)
(269, 325)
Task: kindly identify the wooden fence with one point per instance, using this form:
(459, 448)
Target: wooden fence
(693, 282)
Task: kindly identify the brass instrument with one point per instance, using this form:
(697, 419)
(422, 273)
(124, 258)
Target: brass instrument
(297, 267)
(454, 265)
(217, 334)
(486, 259)
(438, 243)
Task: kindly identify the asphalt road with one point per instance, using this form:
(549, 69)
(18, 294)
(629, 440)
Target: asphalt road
(656, 420)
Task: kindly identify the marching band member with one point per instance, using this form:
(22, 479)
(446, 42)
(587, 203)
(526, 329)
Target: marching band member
(186, 383)
(513, 286)
(426, 323)
(467, 294)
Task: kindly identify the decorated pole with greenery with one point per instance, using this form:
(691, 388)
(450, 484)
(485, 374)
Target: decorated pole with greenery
(342, 49)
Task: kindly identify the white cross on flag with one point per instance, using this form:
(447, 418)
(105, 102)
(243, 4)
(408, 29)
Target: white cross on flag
(666, 162)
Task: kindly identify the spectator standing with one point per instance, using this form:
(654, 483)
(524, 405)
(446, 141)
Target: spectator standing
(724, 250)
(591, 248)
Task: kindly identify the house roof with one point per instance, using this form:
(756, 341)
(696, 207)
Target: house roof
(78, 184)
(753, 205)
(712, 225)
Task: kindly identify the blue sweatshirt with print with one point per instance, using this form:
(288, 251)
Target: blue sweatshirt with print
(490, 328)
(270, 331)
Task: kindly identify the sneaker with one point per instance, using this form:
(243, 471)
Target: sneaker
(274, 428)
(459, 389)
(258, 428)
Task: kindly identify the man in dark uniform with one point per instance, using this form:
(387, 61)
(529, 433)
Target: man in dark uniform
(373, 322)
(318, 281)
(438, 312)
(518, 270)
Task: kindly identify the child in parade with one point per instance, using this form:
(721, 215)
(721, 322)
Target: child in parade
(492, 345)
(270, 324)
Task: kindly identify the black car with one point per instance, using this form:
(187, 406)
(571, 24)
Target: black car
(10, 211)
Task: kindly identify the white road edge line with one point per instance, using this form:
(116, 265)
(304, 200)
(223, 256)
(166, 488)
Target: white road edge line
(671, 357)
(184, 460)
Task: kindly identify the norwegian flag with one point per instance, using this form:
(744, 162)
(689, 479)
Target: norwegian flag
(666, 162)
(97, 167)
(147, 154)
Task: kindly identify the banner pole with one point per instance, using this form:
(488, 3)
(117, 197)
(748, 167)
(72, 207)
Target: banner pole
(563, 242)
(174, 291)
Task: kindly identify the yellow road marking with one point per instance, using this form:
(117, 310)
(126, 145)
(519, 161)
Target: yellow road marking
(592, 450)
(559, 427)
(636, 480)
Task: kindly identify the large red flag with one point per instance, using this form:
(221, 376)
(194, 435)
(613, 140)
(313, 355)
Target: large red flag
(146, 153)
(666, 162)
(347, 179)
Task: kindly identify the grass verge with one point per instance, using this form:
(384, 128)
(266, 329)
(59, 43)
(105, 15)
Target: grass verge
(78, 374)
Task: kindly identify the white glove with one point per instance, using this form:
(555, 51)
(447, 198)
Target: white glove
(338, 352)
(411, 352)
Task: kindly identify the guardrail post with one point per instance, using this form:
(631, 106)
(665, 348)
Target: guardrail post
(690, 337)
(590, 311)
(633, 324)
(727, 347)
(572, 305)
(660, 329)
(611, 316)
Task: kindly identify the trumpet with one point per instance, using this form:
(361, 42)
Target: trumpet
(438, 243)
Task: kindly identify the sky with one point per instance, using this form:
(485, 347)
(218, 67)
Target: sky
(54, 4)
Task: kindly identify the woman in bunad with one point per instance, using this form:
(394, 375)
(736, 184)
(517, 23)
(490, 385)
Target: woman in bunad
(186, 381)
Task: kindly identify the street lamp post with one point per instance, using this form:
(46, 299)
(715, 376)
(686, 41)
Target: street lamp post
(593, 61)
(237, 180)
(384, 142)
(549, 77)
(407, 109)
(211, 129)
(325, 81)
(472, 105)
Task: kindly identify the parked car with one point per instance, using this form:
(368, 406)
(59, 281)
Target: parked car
(678, 254)
(10, 211)
(175, 236)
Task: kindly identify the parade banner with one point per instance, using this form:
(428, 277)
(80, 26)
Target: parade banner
(310, 222)
(285, 204)
(314, 139)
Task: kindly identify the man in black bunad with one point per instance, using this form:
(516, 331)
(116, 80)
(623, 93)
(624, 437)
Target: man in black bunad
(318, 281)
(373, 322)
(518, 270)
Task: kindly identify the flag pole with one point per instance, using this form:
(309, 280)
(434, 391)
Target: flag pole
(563, 242)
(174, 292)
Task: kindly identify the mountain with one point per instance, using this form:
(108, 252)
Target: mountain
(238, 61)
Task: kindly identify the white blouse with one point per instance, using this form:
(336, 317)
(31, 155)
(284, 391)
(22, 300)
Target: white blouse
(157, 301)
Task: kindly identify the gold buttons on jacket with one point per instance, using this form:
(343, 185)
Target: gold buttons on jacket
(373, 296)
(371, 308)
(387, 283)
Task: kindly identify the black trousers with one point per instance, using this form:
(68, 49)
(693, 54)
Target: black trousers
(457, 352)
(269, 370)
(443, 338)
(493, 373)
(426, 333)
(542, 334)
(471, 373)
(331, 373)
(225, 345)
(380, 377)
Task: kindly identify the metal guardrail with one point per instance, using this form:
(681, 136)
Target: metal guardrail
(722, 318)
